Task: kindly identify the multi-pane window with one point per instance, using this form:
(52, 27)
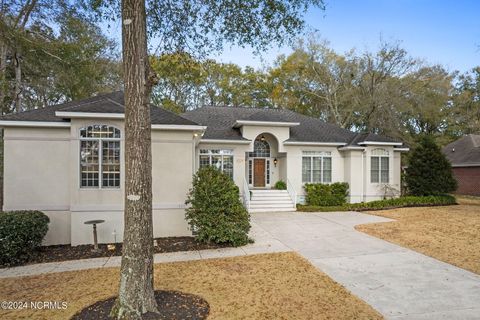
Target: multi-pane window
(268, 172)
(100, 157)
(379, 172)
(316, 167)
(220, 159)
(250, 171)
(261, 149)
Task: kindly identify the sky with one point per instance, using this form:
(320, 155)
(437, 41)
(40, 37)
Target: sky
(443, 32)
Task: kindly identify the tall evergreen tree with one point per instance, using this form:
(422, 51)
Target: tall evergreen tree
(429, 172)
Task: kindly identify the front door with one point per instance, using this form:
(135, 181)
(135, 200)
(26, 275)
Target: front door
(259, 172)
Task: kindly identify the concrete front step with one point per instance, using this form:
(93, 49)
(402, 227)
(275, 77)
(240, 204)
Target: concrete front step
(275, 205)
(279, 198)
(272, 210)
(259, 191)
(271, 201)
(274, 195)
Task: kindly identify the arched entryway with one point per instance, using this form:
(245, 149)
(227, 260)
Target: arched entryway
(259, 163)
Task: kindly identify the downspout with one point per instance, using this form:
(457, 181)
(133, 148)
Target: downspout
(364, 177)
(193, 153)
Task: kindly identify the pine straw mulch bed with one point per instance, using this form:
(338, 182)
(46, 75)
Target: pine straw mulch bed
(172, 305)
(265, 286)
(450, 234)
(67, 252)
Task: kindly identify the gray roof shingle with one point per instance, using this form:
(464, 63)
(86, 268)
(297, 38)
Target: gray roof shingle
(464, 151)
(104, 103)
(220, 123)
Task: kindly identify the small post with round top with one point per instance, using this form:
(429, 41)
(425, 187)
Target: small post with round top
(94, 223)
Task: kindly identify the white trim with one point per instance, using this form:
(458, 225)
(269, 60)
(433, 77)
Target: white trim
(225, 141)
(351, 148)
(380, 143)
(99, 115)
(240, 123)
(306, 143)
(401, 149)
(47, 124)
(40, 207)
(103, 115)
(178, 127)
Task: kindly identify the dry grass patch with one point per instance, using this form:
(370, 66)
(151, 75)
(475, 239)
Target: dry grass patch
(450, 234)
(267, 286)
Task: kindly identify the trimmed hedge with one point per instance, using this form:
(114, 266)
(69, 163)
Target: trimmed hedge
(407, 201)
(21, 232)
(280, 185)
(318, 194)
(216, 213)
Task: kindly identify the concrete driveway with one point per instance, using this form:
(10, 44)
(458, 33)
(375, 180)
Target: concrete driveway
(398, 282)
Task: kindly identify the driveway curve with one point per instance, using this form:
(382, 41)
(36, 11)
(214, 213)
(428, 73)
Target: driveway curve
(398, 282)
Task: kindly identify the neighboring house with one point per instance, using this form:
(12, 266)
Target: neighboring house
(464, 154)
(67, 161)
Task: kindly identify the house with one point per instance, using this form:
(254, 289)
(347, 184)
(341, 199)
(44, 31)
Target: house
(67, 161)
(464, 154)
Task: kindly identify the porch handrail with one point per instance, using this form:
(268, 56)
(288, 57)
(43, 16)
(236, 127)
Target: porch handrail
(292, 193)
(246, 194)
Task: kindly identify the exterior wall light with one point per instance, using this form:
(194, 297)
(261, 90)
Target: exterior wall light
(275, 161)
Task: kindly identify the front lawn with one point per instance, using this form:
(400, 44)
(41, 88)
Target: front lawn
(450, 234)
(266, 286)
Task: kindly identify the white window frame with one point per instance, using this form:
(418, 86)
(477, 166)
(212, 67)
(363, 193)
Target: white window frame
(380, 153)
(222, 152)
(322, 155)
(100, 158)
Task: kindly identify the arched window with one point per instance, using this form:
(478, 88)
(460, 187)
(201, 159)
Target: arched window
(380, 166)
(261, 149)
(99, 157)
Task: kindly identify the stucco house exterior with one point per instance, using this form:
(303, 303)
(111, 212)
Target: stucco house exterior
(67, 160)
(464, 155)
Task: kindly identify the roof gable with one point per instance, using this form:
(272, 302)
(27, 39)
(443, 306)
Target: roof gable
(220, 122)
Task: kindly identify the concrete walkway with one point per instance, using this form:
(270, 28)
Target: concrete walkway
(398, 282)
(264, 243)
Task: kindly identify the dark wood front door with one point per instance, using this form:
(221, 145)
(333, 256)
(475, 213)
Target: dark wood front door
(259, 172)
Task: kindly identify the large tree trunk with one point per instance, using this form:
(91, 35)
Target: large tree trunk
(17, 98)
(136, 295)
(3, 76)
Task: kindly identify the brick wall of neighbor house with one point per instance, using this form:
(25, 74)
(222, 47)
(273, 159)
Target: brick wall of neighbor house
(468, 179)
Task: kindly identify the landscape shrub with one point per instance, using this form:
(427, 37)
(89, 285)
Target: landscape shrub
(407, 201)
(215, 211)
(429, 172)
(280, 185)
(21, 232)
(318, 194)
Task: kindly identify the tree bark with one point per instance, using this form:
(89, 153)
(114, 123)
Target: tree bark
(17, 98)
(3, 76)
(136, 294)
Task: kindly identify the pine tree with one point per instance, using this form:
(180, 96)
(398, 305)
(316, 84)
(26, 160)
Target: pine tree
(429, 172)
